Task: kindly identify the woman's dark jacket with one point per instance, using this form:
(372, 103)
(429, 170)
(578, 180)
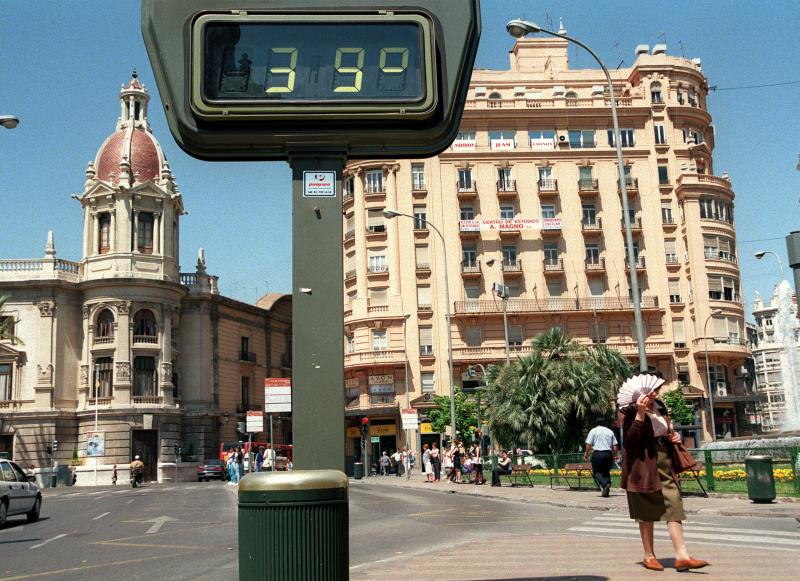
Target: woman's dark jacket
(640, 452)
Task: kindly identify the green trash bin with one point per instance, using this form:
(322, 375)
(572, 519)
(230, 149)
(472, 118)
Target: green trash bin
(293, 526)
(358, 470)
(760, 478)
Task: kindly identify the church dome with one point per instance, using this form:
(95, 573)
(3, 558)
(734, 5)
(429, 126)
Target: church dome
(131, 149)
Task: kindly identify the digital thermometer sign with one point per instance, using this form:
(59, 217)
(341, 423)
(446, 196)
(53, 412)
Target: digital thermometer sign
(344, 66)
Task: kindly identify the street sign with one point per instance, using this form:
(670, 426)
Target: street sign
(277, 395)
(319, 184)
(255, 422)
(410, 419)
(261, 79)
(374, 439)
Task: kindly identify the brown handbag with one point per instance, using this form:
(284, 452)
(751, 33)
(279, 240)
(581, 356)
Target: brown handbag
(682, 459)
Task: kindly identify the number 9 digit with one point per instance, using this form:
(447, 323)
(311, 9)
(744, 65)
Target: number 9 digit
(356, 70)
(403, 52)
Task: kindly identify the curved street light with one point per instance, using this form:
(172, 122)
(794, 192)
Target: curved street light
(389, 214)
(9, 121)
(520, 28)
(761, 253)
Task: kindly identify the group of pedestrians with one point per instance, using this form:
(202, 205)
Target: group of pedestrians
(401, 462)
(234, 462)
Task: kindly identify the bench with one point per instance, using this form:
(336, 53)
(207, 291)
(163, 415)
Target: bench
(582, 469)
(693, 474)
(518, 472)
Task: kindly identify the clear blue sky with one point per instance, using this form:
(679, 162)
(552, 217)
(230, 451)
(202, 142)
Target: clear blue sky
(63, 63)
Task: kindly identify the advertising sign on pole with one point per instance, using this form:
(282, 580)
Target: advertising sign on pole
(95, 444)
(410, 419)
(277, 394)
(255, 422)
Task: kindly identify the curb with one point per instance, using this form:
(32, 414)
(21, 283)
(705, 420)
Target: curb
(562, 504)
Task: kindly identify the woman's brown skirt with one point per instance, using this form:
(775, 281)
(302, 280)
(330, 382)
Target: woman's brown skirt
(665, 505)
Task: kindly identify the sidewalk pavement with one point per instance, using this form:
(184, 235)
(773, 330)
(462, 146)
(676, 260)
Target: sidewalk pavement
(716, 504)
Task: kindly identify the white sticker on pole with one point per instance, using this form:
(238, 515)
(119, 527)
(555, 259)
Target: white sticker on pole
(319, 184)
(255, 421)
(277, 394)
(410, 419)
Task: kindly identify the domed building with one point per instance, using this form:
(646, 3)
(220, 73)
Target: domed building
(120, 353)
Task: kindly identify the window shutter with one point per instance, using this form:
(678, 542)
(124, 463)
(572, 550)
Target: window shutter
(720, 326)
(714, 284)
(515, 334)
(426, 336)
(473, 336)
(674, 286)
(725, 245)
(678, 331)
(670, 247)
(377, 296)
(374, 218)
(422, 255)
(424, 296)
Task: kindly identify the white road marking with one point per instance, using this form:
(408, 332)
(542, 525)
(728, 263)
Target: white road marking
(98, 517)
(158, 522)
(130, 501)
(709, 528)
(43, 543)
(741, 538)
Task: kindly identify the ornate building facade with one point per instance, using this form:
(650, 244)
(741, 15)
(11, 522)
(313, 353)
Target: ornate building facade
(121, 350)
(527, 198)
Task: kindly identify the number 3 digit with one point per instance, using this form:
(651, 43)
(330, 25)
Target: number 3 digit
(290, 70)
(356, 70)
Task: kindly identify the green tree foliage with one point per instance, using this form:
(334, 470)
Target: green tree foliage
(547, 399)
(466, 414)
(680, 412)
(7, 324)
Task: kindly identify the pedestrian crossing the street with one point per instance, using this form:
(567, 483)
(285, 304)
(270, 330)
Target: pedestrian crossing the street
(616, 525)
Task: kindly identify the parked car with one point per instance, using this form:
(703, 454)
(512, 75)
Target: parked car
(18, 493)
(214, 468)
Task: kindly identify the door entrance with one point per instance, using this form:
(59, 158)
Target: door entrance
(7, 446)
(144, 443)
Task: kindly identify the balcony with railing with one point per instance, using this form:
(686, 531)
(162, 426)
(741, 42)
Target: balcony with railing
(631, 185)
(248, 356)
(466, 190)
(592, 226)
(704, 183)
(350, 275)
(40, 269)
(553, 266)
(374, 192)
(377, 271)
(720, 256)
(732, 345)
(350, 234)
(426, 351)
(639, 263)
(375, 357)
(471, 269)
(423, 267)
(145, 339)
(588, 187)
(548, 187)
(672, 260)
(553, 304)
(595, 265)
(512, 267)
(506, 188)
(147, 400)
(636, 225)
(107, 340)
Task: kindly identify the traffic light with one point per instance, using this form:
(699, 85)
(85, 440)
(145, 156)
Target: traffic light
(241, 427)
(177, 451)
(470, 372)
(49, 449)
(364, 426)
(55, 445)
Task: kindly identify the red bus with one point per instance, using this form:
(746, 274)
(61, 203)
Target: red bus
(283, 453)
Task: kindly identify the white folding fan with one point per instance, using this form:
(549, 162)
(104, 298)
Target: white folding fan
(636, 386)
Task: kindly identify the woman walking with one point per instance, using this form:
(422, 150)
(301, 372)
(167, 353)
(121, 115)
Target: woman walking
(458, 458)
(436, 461)
(650, 479)
(427, 465)
(477, 463)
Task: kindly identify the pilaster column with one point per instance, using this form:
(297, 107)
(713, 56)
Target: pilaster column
(86, 368)
(158, 234)
(44, 367)
(112, 235)
(165, 374)
(360, 224)
(87, 232)
(135, 231)
(122, 363)
(95, 233)
(393, 235)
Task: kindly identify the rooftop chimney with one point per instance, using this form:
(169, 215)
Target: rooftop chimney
(659, 49)
(642, 49)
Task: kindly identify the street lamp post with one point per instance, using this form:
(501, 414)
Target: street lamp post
(390, 214)
(520, 28)
(504, 297)
(9, 121)
(708, 373)
(759, 255)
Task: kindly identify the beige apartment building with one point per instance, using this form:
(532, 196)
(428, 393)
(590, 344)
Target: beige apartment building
(528, 197)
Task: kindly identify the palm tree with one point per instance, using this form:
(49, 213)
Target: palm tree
(548, 398)
(7, 324)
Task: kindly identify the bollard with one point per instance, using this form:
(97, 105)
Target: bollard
(358, 470)
(293, 526)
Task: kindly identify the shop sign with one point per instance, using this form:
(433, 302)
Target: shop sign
(464, 145)
(375, 440)
(353, 433)
(426, 428)
(409, 418)
(351, 382)
(513, 225)
(381, 379)
(376, 389)
(502, 144)
(383, 430)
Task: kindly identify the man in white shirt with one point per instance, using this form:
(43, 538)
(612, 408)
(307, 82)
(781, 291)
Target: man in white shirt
(601, 443)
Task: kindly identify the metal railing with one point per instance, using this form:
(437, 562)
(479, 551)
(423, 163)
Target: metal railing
(470, 267)
(551, 304)
(548, 185)
(515, 266)
(587, 185)
(147, 400)
(553, 265)
(595, 265)
(507, 185)
(149, 339)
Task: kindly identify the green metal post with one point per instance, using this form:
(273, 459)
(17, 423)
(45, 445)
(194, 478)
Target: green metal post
(317, 303)
(794, 454)
(709, 471)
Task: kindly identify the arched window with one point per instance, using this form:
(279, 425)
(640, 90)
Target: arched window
(145, 329)
(571, 96)
(144, 376)
(105, 325)
(495, 96)
(655, 92)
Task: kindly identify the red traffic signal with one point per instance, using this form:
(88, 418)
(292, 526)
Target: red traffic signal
(364, 421)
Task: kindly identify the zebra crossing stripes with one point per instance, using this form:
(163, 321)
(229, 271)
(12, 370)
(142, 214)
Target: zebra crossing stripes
(699, 531)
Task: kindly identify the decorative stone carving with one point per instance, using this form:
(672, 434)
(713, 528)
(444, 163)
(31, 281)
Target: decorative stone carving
(46, 308)
(44, 376)
(122, 371)
(123, 307)
(166, 372)
(84, 375)
(85, 311)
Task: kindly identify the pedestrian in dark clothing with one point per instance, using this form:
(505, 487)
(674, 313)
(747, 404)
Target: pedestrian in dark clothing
(503, 467)
(601, 444)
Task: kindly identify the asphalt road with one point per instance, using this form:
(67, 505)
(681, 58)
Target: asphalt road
(188, 531)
